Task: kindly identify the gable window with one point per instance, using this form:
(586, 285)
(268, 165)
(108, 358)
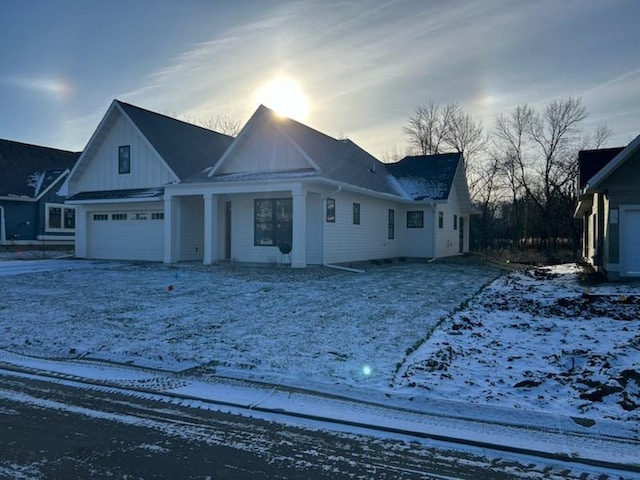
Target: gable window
(59, 217)
(415, 219)
(392, 224)
(440, 220)
(356, 214)
(331, 210)
(273, 220)
(124, 159)
(455, 222)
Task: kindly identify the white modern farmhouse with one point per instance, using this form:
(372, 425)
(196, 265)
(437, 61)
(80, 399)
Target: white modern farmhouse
(149, 187)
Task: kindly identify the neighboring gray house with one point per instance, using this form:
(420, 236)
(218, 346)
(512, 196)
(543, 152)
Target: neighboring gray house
(31, 211)
(609, 206)
(175, 197)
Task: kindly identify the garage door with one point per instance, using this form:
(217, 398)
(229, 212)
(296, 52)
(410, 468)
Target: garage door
(120, 235)
(630, 249)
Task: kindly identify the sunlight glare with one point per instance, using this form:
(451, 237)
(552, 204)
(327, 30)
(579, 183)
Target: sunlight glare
(285, 97)
(366, 370)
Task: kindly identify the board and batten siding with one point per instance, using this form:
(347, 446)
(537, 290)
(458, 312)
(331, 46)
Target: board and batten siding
(346, 242)
(147, 169)
(264, 151)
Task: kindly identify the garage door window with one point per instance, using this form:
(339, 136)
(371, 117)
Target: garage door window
(118, 216)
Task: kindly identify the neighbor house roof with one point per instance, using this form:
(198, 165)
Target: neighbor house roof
(134, 193)
(427, 177)
(187, 148)
(339, 160)
(28, 170)
(591, 162)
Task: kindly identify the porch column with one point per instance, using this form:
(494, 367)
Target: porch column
(171, 222)
(299, 234)
(210, 229)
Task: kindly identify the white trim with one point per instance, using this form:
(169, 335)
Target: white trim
(624, 246)
(62, 208)
(3, 237)
(610, 167)
(52, 184)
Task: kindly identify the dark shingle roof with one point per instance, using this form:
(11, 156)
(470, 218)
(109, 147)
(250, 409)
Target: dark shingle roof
(138, 193)
(187, 149)
(426, 177)
(19, 161)
(591, 162)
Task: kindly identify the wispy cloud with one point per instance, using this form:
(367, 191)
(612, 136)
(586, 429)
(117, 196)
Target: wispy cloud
(49, 86)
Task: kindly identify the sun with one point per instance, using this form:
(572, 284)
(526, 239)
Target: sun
(285, 97)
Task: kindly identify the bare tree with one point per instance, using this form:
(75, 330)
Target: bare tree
(219, 123)
(428, 127)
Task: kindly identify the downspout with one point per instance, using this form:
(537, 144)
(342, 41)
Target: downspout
(3, 237)
(322, 222)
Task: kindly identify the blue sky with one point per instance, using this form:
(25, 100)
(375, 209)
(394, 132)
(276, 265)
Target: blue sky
(364, 66)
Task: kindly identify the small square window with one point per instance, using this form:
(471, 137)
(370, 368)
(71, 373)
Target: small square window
(440, 220)
(124, 159)
(356, 214)
(331, 210)
(415, 219)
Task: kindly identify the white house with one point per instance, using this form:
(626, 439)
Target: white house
(278, 184)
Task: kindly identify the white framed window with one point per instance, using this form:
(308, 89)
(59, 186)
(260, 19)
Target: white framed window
(118, 216)
(100, 217)
(59, 217)
(157, 216)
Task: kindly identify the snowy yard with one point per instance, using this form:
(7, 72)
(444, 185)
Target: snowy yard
(529, 340)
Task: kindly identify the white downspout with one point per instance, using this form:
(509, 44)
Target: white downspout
(3, 237)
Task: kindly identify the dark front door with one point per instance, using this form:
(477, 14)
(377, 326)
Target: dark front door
(461, 232)
(227, 230)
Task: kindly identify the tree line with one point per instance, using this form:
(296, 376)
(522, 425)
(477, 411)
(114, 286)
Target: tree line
(523, 175)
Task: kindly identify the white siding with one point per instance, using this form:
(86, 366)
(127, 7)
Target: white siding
(417, 242)
(266, 150)
(314, 229)
(448, 238)
(147, 169)
(346, 242)
(191, 228)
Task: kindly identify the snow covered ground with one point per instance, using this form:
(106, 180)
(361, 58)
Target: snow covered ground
(406, 330)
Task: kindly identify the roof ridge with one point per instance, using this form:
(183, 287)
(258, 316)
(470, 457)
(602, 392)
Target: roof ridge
(39, 146)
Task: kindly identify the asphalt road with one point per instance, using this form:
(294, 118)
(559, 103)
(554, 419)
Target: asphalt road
(52, 430)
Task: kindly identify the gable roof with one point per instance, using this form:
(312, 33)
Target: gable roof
(427, 177)
(186, 148)
(20, 161)
(615, 162)
(591, 162)
(339, 160)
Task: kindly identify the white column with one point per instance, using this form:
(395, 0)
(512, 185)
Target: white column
(171, 224)
(210, 229)
(299, 234)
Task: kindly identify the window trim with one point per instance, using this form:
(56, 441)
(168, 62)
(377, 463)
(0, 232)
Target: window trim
(121, 160)
(356, 213)
(274, 222)
(415, 219)
(63, 211)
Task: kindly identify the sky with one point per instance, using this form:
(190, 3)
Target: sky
(362, 67)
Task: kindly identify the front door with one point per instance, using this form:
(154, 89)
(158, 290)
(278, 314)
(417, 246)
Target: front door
(461, 235)
(227, 230)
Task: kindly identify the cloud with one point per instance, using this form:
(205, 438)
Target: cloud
(54, 87)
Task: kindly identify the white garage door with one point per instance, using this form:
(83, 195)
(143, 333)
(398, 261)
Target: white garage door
(630, 250)
(120, 235)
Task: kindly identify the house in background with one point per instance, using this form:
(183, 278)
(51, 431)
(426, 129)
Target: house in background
(280, 186)
(31, 211)
(609, 206)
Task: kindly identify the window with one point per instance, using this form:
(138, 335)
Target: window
(331, 210)
(356, 214)
(124, 159)
(118, 216)
(139, 216)
(392, 224)
(415, 219)
(273, 220)
(455, 222)
(59, 217)
(440, 220)
(100, 217)
(157, 216)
